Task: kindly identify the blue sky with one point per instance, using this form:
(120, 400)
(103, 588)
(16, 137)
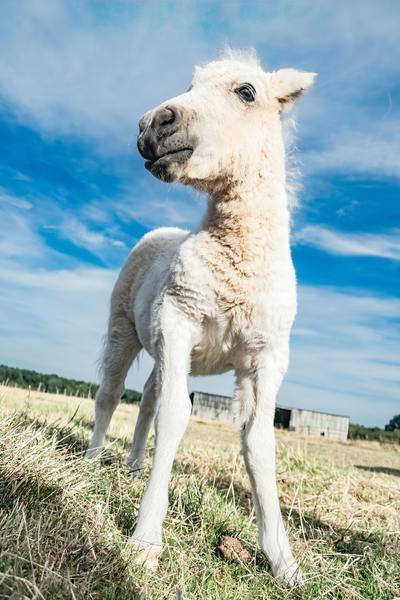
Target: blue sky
(74, 196)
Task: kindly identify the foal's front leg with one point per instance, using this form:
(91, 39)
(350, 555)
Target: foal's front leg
(258, 384)
(174, 407)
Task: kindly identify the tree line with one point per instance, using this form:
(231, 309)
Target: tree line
(359, 432)
(24, 378)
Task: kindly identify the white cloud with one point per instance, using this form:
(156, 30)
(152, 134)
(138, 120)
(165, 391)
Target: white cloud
(161, 205)
(44, 312)
(21, 229)
(344, 356)
(350, 365)
(53, 321)
(374, 150)
(76, 231)
(345, 347)
(382, 245)
(68, 71)
(15, 201)
(82, 280)
(17, 237)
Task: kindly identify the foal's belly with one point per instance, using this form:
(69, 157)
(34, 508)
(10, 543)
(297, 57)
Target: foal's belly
(210, 363)
(209, 357)
(213, 354)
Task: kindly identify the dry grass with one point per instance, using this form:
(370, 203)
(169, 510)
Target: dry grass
(64, 523)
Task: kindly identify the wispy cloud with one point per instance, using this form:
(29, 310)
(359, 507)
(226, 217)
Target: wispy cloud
(384, 245)
(352, 356)
(361, 150)
(100, 72)
(76, 231)
(71, 281)
(96, 75)
(32, 232)
(76, 74)
(344, 356)
(161, 205)
(344, 348)
(17, 202)
(17, 236)
(58, 318)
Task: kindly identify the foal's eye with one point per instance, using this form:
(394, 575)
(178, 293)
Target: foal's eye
(246, 92)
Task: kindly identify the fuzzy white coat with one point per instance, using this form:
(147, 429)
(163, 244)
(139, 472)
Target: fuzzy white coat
(219, 298)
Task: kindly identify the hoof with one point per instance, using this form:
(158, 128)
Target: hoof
(93, 453)
(147, 554)
(291, 576)
(136, 470)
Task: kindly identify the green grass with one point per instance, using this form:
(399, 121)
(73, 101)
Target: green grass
(64, 523)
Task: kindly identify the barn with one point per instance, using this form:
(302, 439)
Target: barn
(306, 421)
(312, 422)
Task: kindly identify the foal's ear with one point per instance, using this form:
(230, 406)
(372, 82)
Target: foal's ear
(287, 85)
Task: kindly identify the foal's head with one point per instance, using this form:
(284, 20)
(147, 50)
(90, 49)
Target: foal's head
(224, 125)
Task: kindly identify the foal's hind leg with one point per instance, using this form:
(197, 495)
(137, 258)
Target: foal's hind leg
(146, 414)
(121, 349)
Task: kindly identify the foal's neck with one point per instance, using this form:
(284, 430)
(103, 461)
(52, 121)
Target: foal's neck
(245, 217)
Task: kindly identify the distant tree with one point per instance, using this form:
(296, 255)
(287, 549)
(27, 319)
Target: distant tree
(131, 396)
(55, 384)
(359, 432)
(393, 424)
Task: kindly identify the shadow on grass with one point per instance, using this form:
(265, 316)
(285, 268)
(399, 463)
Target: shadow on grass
(88, 424)
(74, 436)
(73, 439)
(385, 470)
(65, 539)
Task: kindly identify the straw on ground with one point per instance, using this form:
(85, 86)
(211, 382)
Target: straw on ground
(64, 523)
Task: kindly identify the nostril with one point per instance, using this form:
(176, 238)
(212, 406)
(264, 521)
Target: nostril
(168, 117)
(164, 117)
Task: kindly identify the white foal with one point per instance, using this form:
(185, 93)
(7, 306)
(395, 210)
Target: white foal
(219, 298)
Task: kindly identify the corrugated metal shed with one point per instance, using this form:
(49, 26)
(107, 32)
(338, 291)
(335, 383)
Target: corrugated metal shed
(213, 406)
(309, 422)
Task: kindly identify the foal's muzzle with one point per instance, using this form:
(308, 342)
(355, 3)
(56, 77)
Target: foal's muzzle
(163, 141)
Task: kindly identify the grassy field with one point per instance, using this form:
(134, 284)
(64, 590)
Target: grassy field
(64, 523)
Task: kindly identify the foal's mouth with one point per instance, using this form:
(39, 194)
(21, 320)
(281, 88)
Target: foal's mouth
(179, 155)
